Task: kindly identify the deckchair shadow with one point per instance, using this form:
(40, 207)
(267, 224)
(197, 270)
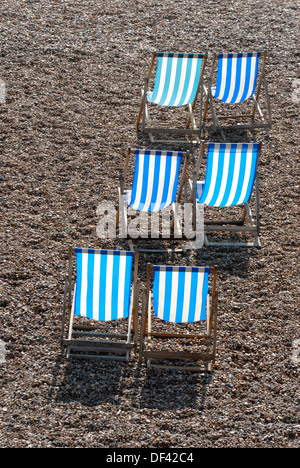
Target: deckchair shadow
(167, 390)
(90, 382)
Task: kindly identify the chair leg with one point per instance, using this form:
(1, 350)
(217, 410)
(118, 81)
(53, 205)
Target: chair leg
(64, 311)
(191, 119)
(216, 122)
(147, 121)
(244, 216)
(258, 108)
(142, 327)
(206, 104)
(118, 217)
(229, 225)
(141, 109)
(121, 218)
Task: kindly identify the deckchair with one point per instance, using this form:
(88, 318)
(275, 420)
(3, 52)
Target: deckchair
(178, 80)
(231, 172)
(103, 295)
(156, 186)
(178, 310)
(239, 79)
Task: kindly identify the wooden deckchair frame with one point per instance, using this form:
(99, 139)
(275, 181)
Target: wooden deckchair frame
(194, 132)
(229, 225)
(216, 120)
(208, 338)
(121, 219)
(115, 346)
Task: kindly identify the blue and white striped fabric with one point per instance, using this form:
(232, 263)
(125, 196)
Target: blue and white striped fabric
(180, 293)
(230, 173)
(103, 284)
(155, 180)
(177, 79)
(237, 76)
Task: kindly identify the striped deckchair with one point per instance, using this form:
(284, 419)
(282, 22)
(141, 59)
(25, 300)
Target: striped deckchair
(156, 185)
(178, 80)
(103, 293)
(178, 298)
(239, 78)
(231, 172)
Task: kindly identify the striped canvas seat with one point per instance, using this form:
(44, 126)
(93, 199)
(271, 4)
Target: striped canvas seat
(155, 180)
(180, 293)
(231, 177)
(105, 290)
(103, 284)
(177, 79)
(237, 77)
(230, 174)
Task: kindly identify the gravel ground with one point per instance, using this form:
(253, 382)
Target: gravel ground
(73, 72)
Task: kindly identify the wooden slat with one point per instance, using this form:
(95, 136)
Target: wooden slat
(101, 349)
(233, 244)
(83, 343)
(178, 131)
(231, 228)
(223, 221)
(177, 355)
(102, 335)
(242, 127)
(89, 356)
(179, 368)
(228, 117)
(173, 154)
(176, 335)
